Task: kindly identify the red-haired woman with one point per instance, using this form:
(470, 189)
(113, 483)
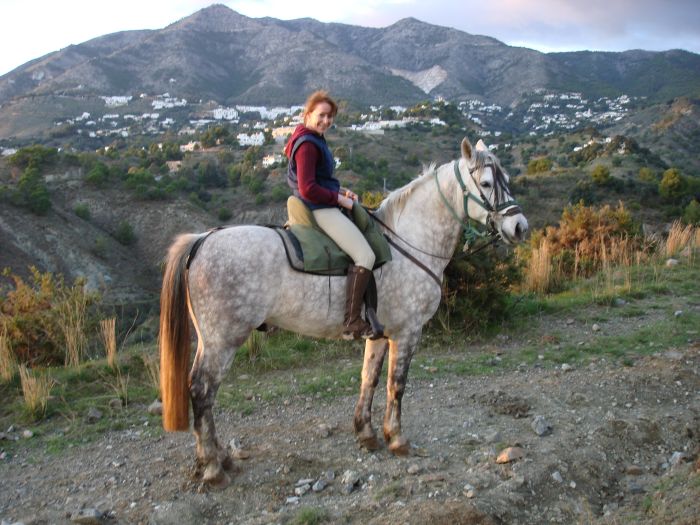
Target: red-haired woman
(310, 175)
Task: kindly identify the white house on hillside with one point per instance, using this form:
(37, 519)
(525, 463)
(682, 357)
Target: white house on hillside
(254, 139)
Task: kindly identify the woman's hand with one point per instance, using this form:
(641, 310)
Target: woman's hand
(349, 193)
(344, 201)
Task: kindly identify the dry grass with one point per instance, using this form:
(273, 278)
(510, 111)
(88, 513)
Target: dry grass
(8, 362)
(36, 390)
(255, 343)
(539, 274)
(615, 259)
(152, 364)
(108, 335)
(119, 384)
(681, 237)
(72, 315)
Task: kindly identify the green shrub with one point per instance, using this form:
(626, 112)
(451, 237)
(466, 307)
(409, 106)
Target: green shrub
(476, 289)
(224, 214)
(124, 234)
(99, 247)
(539, 165)
(35, 156)
(280, 193)
(691, 214)
(32, 193)
(98, 175)
(673, 185)
(81, 210)
(601, 174)
(646, 174)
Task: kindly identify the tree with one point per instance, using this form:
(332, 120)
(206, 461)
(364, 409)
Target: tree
(691, 214)
(32, 192)
(672, 185)
(601, 174)
(539, 165)
(35, 156)
(98, 175)
(646, 174)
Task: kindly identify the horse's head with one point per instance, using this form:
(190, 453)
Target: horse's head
(487, 193)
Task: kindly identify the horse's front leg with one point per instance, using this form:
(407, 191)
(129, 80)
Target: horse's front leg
(212, 459)
(371, 370)
(400, 354)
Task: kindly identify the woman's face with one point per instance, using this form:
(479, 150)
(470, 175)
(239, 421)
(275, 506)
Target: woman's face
(320, 118)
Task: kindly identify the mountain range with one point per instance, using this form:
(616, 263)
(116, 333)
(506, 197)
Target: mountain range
(219, 55)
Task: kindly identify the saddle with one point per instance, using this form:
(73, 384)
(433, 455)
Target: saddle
(310, 250)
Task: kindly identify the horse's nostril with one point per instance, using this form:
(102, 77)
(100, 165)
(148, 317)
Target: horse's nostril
(518, 231)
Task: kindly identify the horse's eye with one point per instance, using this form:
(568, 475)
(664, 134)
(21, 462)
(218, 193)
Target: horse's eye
(486, 185)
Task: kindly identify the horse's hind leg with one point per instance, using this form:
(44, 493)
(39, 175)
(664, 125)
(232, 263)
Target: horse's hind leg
(400, 354)
(371, 369)
(208, 370)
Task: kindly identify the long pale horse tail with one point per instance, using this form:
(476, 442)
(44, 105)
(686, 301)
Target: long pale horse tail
(174, 337)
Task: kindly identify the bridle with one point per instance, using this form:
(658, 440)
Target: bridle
(471, 228)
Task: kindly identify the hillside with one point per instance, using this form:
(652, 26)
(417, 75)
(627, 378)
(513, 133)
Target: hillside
(217, 55)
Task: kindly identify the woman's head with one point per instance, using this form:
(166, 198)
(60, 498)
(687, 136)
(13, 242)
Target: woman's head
(319, 111)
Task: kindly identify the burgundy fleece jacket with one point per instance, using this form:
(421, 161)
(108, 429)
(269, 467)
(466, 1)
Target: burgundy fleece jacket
(307, 156)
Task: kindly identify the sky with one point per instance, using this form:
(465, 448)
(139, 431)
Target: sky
(32, 28)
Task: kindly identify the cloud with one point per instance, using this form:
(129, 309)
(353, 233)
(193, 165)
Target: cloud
(613, 25)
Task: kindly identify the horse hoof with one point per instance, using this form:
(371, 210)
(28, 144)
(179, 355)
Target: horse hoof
(220, 482)
(215, 477)
(370, 444)
(227, 463)
(400, 446)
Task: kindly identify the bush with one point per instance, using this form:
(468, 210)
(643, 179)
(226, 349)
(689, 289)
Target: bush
(32, 193)
(646, 174)
(280, 193)
(224, 214)
(476, 289)
(601, 174)
(691, 214)
(98, 175)
(35, 156)
(81, 210)
(588, 237)
(33, 316)
(124, 234)
(672, 185)
(539, 165)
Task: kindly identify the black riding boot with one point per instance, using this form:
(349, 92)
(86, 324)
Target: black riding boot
(371, 308)
(354, 326)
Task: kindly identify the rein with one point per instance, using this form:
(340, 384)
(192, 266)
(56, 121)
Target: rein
(470, 227)
(405, 253)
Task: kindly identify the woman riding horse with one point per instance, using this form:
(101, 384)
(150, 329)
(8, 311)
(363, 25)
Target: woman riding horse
(310, 175)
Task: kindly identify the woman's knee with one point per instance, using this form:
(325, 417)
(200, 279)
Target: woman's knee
(366, 259)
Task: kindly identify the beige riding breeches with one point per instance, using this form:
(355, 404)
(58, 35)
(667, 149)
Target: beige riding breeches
(346, 235)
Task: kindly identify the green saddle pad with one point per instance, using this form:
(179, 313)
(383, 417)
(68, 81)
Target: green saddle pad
(321, 254)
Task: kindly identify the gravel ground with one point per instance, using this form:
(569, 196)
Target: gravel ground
(604, 442)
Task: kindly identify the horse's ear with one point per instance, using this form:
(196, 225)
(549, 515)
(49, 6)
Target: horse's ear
(480, 146)
(467, 149)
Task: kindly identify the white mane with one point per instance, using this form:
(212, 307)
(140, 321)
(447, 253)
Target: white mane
(392, 206)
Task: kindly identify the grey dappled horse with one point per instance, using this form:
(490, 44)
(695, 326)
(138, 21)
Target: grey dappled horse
(238, 278)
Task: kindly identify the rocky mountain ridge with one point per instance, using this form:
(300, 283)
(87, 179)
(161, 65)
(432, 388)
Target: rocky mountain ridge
(220, 55)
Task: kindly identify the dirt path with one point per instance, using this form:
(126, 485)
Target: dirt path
(623, 440)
